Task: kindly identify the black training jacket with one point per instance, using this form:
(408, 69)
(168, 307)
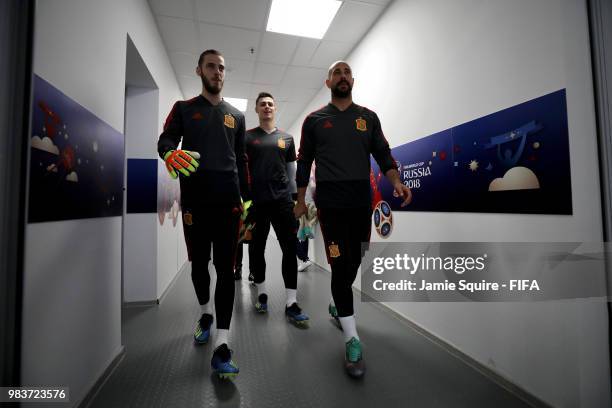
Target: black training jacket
(341, 143)
(268, 157)
(218, 134)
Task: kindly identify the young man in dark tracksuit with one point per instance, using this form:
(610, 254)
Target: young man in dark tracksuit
(214, 173)
(272, 165)
(340, 137)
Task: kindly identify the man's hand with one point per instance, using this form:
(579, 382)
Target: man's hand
(403, 191)
(299, 209)
(184, 161)
(399, 188)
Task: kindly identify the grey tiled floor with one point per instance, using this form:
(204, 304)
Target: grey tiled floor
(283, 366)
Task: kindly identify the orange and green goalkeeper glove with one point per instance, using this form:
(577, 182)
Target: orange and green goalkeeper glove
(183, 161)
(247, 221)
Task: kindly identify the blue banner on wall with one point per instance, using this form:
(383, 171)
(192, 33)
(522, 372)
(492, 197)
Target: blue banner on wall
(141, 186)
(512, 161)
(76, 160)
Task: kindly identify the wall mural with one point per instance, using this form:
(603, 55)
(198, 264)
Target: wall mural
(76, 160)
(168, 196)
(512, 161)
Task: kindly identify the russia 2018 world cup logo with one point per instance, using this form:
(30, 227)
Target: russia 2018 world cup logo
(383, 219)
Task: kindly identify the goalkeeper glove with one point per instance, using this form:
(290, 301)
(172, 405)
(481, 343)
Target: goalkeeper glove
(247, 221)
(184, 161)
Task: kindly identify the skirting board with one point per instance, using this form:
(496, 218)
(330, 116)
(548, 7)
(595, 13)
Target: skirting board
(146, 303)
(97, 386)
(171, 284)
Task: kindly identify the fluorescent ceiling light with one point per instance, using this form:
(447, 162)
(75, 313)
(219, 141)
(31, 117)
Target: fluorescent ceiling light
(304, 18)
(238, 103)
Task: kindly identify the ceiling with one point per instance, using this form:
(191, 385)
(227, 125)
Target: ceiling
(291, 68)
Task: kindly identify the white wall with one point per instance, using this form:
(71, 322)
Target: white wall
(171, 252)
(139, 230)
(140, 258)
(428, 65)
(72, 303)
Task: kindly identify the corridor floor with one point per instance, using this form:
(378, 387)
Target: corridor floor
(283, 366)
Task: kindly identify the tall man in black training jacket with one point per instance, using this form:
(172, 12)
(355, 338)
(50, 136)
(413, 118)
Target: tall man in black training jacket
(214, 173)
(272, 167)
(340, 137)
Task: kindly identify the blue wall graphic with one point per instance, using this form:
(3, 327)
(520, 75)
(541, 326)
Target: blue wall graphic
(512, 161)
(141, 186)
(76, 161)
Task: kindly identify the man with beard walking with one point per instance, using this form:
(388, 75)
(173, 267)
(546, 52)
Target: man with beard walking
(340, 137)
(212, 165)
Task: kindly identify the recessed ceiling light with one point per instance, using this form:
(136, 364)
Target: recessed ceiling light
(238, 103)
(304, 18)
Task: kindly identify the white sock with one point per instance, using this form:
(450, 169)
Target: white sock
(291, 296)
(207, 308)
(221, 337)
(349, 327)
(261, 288)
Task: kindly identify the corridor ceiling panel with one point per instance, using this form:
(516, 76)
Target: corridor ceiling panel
(291, 68)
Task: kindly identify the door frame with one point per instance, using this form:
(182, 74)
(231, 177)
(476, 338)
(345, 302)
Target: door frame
(16, 55)
(600, 28)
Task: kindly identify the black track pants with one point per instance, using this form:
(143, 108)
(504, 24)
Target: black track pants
(280, 215)
(344, 230)
(216, 227)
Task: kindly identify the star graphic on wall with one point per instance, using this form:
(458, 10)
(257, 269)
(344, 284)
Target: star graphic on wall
(473, 165)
